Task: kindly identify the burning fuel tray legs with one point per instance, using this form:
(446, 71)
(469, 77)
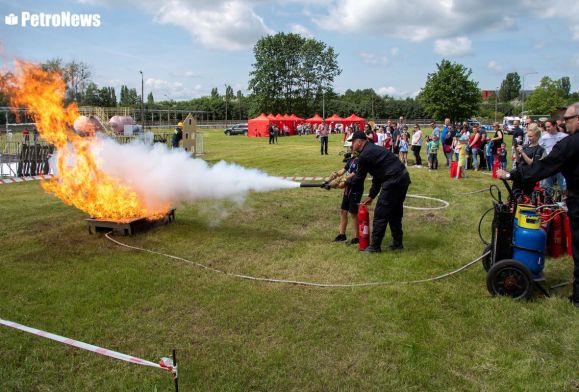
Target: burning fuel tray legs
(130, 226)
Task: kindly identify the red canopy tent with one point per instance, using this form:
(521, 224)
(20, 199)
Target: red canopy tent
(361, 122)
(317, 119)
(273, 119)
(334, 119)
(259, 126)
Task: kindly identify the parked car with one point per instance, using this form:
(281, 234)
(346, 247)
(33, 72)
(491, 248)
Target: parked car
(237, 129)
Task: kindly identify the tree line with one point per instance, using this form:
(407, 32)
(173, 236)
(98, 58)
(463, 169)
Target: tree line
(293, 74)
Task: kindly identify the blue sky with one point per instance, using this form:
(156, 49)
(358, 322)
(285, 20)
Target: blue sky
(185, 48)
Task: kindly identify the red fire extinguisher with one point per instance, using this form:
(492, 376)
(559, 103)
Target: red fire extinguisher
(363, 227)
(568, 239)
(496, 166)
(555, 237)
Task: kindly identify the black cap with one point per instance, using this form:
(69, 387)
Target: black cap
(359, 135)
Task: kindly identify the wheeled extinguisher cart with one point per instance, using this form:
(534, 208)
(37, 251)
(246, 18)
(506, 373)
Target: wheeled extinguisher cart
(516, 253)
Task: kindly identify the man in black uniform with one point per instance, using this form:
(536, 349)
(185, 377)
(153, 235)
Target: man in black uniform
(390, 179)
(565, 159)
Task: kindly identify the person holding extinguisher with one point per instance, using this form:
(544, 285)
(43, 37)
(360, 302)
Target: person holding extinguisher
(390, 182)
(562, 158)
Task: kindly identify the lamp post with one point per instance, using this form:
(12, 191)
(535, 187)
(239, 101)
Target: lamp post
(225, 105)
(142, 100)
(323, 103)
(523, 95)
(496, 102)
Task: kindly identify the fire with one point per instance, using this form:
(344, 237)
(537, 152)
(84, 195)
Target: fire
(79, 181)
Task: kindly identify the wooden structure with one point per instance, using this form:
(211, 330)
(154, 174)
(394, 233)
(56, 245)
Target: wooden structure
(192, 140)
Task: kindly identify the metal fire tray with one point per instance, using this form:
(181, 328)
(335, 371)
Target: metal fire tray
(129, 226)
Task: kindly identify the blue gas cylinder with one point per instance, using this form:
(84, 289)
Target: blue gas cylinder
(529, 241)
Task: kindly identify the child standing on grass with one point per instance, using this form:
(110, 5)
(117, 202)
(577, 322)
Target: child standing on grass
(502, 153)
(404, 149)
(432, 147)
(427, 143)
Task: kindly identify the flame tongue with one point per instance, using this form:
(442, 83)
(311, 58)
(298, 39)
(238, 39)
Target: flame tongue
(79, 182)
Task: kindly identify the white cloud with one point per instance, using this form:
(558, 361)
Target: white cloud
(373, 59)
(455, 47)
(440, 19)
(495, 67)
(216, 24)
(394, 51)
(576, 32)
(301, 30)
(227, 25)
(165, 89)
(387, 91)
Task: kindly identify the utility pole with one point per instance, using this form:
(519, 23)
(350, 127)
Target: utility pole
(225, 105)
(496, 102)
(142, 101)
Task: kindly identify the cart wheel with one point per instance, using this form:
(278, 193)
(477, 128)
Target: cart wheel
(487, 260)
(509, 278)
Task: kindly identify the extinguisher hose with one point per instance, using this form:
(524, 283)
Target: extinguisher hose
(480, 225)
(297, 282)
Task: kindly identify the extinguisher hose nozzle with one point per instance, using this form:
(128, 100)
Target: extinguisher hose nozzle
(314, 185)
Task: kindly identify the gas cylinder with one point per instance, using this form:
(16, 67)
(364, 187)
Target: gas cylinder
(555, 237)
(496, 166)
(529, 241)
(567, 231)
(363, 227)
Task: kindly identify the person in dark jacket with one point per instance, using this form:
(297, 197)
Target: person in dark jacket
(177, 135)
(390, 181)
(562, 158)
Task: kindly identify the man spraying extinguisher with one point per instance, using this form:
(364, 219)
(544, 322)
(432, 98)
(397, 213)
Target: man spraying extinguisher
(390, 182)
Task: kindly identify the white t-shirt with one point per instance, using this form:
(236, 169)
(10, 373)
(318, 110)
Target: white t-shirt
(381, 138)
(548, 141)
(417, 138)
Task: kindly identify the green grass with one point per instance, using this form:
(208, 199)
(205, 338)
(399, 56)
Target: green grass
(237, 335)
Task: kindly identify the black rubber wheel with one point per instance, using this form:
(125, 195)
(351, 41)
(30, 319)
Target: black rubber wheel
(244, 133)
(487, 260)
(510, 278)
(228, 133)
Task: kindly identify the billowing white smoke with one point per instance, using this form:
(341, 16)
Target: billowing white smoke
(160, 175)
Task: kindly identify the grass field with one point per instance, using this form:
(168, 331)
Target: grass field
(237, 335)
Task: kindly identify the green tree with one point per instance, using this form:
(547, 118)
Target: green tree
(150, 100)
(91, 96)
(450, 93)
(214, 92)
(124, 99)
(291, 74)
(510, 87)
(565, 84)
(546, 98)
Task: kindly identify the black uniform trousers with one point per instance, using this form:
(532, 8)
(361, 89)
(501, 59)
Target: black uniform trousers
(573, 214)
(389, 209)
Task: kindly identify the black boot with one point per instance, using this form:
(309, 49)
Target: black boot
(373, 249)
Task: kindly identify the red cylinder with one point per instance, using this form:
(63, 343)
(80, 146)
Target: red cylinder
(567, 231)
(454, 170)
(363, 227)
(555, 237)
(496, 166)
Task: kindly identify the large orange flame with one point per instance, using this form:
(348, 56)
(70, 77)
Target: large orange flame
(79, 181)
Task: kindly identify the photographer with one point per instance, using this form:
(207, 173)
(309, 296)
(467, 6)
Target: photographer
(563, 158)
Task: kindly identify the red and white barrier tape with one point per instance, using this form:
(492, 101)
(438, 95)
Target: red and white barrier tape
(165, 363)
(13, 180)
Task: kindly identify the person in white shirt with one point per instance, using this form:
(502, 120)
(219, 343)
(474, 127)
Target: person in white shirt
(417, 145)
(548, 141)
